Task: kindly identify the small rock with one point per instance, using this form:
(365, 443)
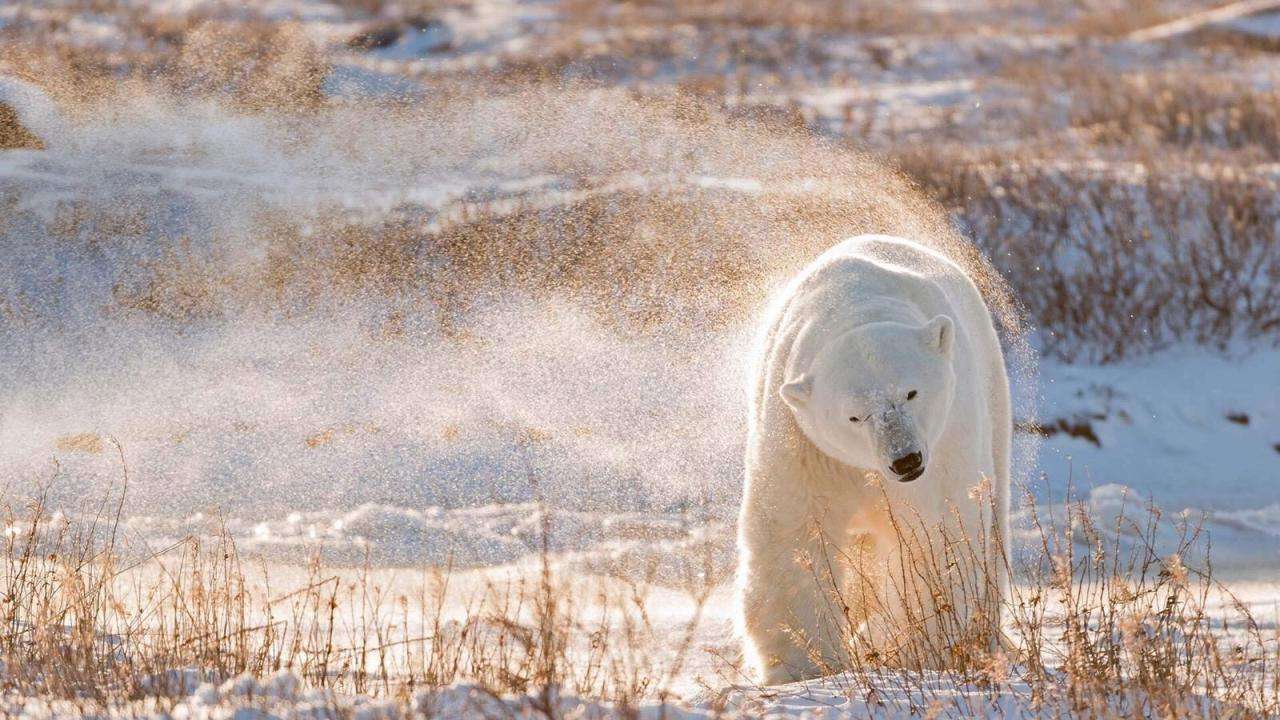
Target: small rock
(377, 36)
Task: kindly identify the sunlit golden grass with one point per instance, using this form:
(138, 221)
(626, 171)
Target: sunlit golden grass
(1114, 260)
(1098, 622)
(92, 618)
(635, 257)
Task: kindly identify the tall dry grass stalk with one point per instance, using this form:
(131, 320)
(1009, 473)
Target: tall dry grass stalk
(93, 619)
(1115, 260)
(1100, 622)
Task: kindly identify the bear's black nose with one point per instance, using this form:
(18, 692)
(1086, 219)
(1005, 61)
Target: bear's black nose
(907, 464)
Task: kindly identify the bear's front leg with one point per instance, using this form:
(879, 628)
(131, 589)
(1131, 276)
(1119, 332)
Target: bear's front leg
(794, 616)
(934, 610)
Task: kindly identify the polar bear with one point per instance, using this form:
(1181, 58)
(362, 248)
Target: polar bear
(873, 526)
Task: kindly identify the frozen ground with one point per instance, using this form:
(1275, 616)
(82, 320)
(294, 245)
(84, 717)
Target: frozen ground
(1190, 431)
(281, 696)
(301, 435)
(354, 429)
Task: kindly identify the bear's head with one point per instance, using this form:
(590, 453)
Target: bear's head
(877, 397)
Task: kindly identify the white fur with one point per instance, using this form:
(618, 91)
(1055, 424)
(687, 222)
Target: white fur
(866, 323)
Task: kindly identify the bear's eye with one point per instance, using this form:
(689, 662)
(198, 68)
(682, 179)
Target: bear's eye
(911, 395)
(853, 419)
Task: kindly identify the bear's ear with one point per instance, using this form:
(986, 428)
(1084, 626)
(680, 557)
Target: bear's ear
(939, 334)
(796, 393)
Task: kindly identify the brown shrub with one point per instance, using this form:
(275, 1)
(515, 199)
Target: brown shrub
(13, 135)
(826, 15)
(1114, 18)
(1182, 109)
(259, 65)
(635, 257)
(1114, 260)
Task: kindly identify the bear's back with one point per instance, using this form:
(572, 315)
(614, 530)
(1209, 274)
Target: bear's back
(886, 257)
(852, 281)
(865, 279)
(887, 266)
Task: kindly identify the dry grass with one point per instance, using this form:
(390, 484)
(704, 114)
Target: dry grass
(97, 622)
(634, 257)
(817, 15)
(1100, 623)
(1117, 260)
(1115, 18)
(1199, 115)
(259, 66)
(13, 135)
(242, 59)
(1110, 261)
(1135, 212)
(1178, 109)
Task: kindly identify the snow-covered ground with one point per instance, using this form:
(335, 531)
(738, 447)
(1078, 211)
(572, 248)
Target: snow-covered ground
(1186, 429)
(282, 696)
(359, 429)
(298, 435)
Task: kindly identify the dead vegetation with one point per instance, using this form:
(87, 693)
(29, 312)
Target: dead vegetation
(1099, 622)
(1199, 116)
(92, 620)
(1180, 110)
(13, 136)
(1116, 261)
(242, 59)
(1109, 262)
(815, 15)
(635, 258)
(1114, 18)
(1135, 212)
(259, 66)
